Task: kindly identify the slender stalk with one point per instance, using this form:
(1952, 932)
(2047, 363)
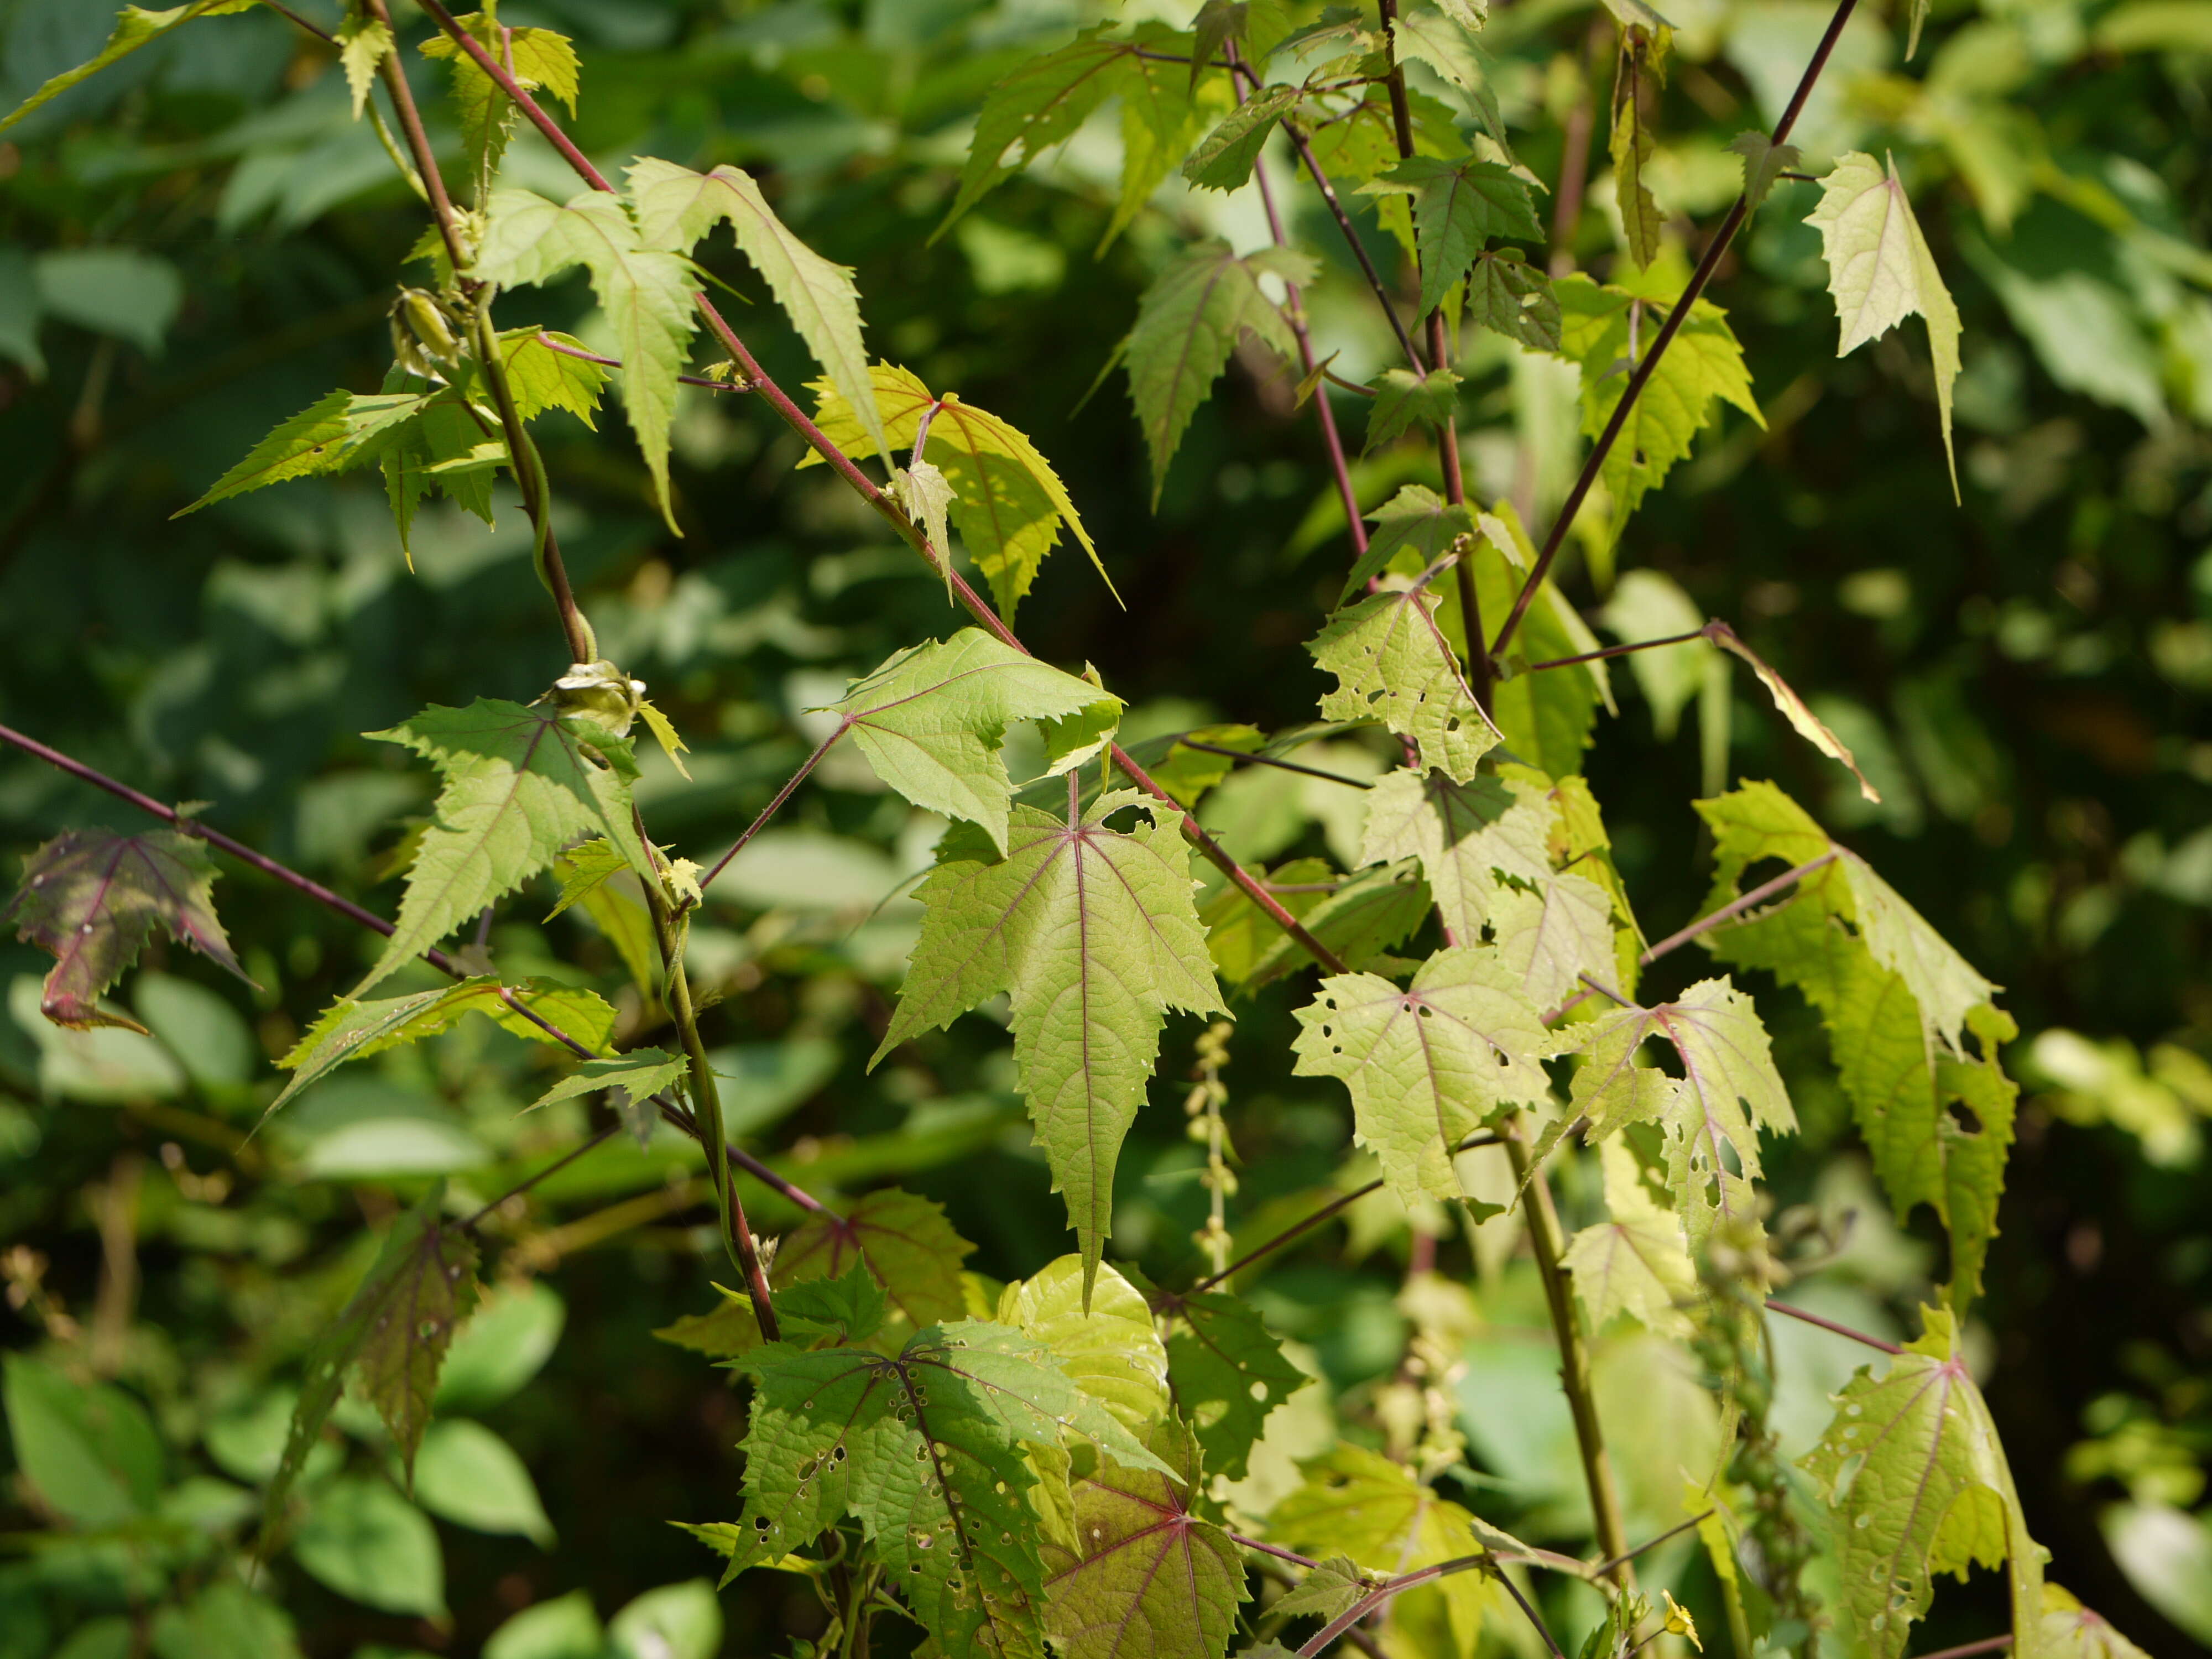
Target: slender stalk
(1600, 1569)
(584, 356)
(1300, 143)
(1811, 1318)
(770, 811)
(1736, 907)
(530, 475)
(1967, 1649)
(505, 83)
(1617, 651)
(1276, 1550)
(1544, 1239)
(1281, 765)
(555, 1167)
(418, 143)
(313, 28)
(1641, 376)
(1384, 1593)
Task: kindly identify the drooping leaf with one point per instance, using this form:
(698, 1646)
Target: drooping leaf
(520, 784)
(1509, 296)
(135, 27)
(1458, 206)
(1188, 323)
(1917, 1484)
(925, 495)
(1145, 1578)
(92, 898)
(1881, 271)
(906, 1241)
(392, 1335)
(1442, 41)
(1703, 366)
(1642, 223)
(925, 1450)
(1225, 158)
(676, 207)
(1637, 1263)
(1764, 163)
(645, 292)
(1548, 718)
(932, 719)
(635, 1076)
(1228, 1373)
(1808, 724)
(1393, 665)
(1093, 934)
(340, 431)
(540, 60)
(542, 375)
(1427, 1065)
(1403, 398)
(364, 42)
(1417, 521)
(350, 1029)
(1007, 499)
(1711, 1115)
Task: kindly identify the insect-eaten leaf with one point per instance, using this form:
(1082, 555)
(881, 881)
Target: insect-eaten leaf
(1393, 664)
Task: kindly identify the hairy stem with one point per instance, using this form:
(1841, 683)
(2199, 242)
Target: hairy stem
(1641, 376)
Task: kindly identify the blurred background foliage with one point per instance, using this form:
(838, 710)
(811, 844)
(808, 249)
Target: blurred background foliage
(201, 242)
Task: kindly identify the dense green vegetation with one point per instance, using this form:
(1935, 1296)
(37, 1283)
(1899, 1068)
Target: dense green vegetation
(300, 1375)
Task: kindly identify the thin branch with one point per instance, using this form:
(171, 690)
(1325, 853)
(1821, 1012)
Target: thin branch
(315, 29)
(1384, 1593)
(1279, 764)
(1967, 1649)
(1641, 375)
(555, 1167)
(770, 811)
(418, 142)
(1735, 907)
(582, 356)
(1600, 1569)
(1304, 148)
(506, 84)
(1811, 1318)
(1617, 651)
(1276, 1550)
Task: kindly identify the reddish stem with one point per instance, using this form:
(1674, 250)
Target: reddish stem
(1811, 1318)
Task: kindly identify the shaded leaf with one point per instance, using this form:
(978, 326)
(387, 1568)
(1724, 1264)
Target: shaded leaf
(135, 27)
(1458, 206)
(1466, 836)
(1509, 296)
(1642, 223)
(1637, 1263)
(1416, 520)
(904, 1239)
(1403, 398)
(634, 1076)
(1225, 158)
(1326, 1591)
(1367, 915)
(1228, 1373)
(1764, 163)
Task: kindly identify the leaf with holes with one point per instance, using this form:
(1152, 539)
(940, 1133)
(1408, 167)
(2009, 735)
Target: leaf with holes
(1228, 1374)
(92, 898)
(1466, 836)
(540, 60)
(932, 719)
(904, 1239)
(392, 1335)
(1391, 663)
(1145, 1578)
(676, 207)
(1427, 1065)
(520, 784)
(1508, 295)
(1637, 1263)
(1917, 1484)
(1093, 934)
(1007, 501)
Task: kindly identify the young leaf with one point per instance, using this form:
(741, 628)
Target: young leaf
(92, 898)
(1424, 34)
(1228, 1373)
(1642, 223)
(1100, 1331)
(645, 292)
(446, 447)
(932, 719)
(1188, 323)
(1391, 664)
(1808, 724)
(1426, 1066)
(1881, 271)
(906, 1241)
(135, 27)
(847, 1309)
(350, 1029)
(1636, 1263)
(1225, 158)
(1459, 205)
(1417, 521)
(1148, 1579)
(1764, 163)
(1917, 1485)
(364, 42)
(1093, 933)
(1008, 502)
(520, 784)
(542, 377)
(393, 1333)
(539, 59)
(340, 431)
(595, 876)
(1403, 398)
(1508, 295)
(676, 207)
(924, 496)
(635, 1076)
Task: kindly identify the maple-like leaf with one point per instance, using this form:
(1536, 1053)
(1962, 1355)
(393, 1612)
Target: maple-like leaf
(1703, 366)
(392, 1335)
(364, 42)
(1391, 663)
(1188, 323)
(1416, 521)
(1458, 206)
(540, 60)
(1917, 1484)
(1403, 398)
(676, 207)
(1509, 296)
(1881, 271)
(135, 27)
(1093, 934)
(1427, 1065)
(1637, 1263)
(342, 430)
(644, 292)
(92, 898)
(2068, 1630)
(520, 784)
(1327, 1589)
(1711, 1115)
(354, 1029)
(1445, 43)
(1142, 1577)
(1006, 500)
(1227, 1372)
(1225, 156)
(541, 376)
(1100, 1330)
(909, 1246)
(926, 1448)
(1764, 163)
(932, 719)
(1466, 836)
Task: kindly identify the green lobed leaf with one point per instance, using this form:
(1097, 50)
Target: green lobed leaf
(341, 430)
(846, 1310)
(1764, 163)
(645, 292)
(1416, 521)
(1637, 1262)
(135, 27)
(1458, 206)
(594, 875)
(1443, 40)
(2068, 1630)
(1917, 1484)
(1403, 398)
(931, 720)
(1225, 157)
(1100, 1330)
(676, 207)
(445, 446)
(542, 377)
(1188, 323)
(1239, 935)
(1007, 499)
(1093, 934)
(364, 42)
(635, 1076)
(1427, 1065)
(904, 1239)
(1228, 1373)
(1393, 665)
(539, 59)
(92, 898)
(520, 784)
(1508, 295)
(1881, 271)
